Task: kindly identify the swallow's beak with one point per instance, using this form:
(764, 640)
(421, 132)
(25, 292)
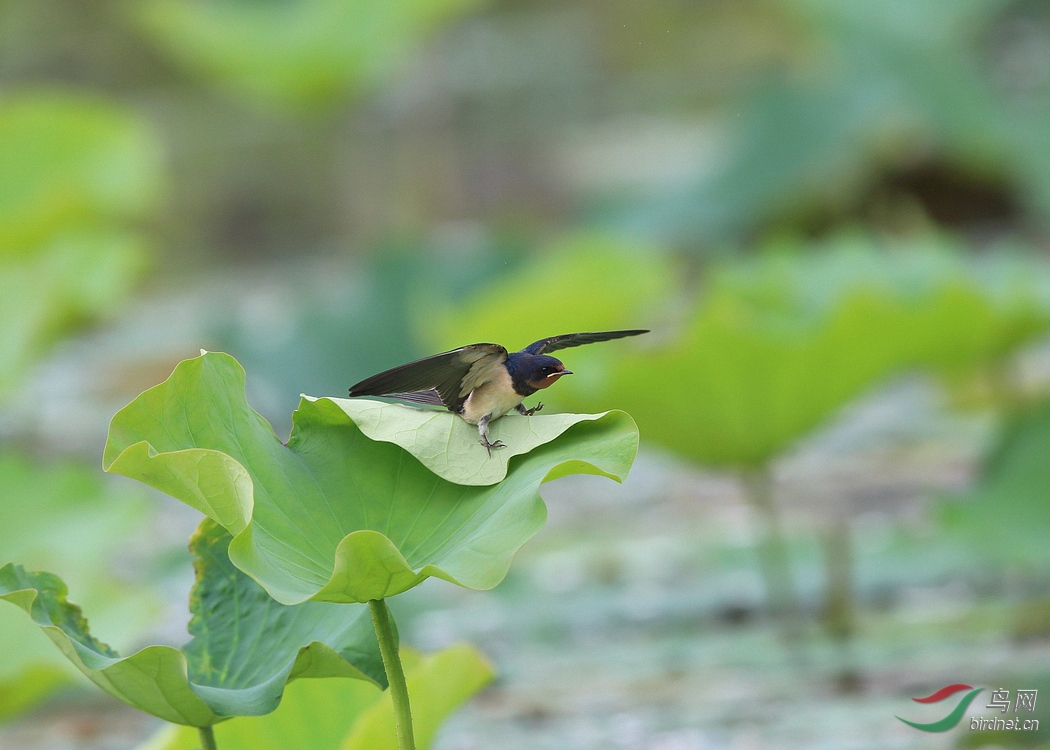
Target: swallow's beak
(564, 372)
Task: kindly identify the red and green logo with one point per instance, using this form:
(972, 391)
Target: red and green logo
(951, 719)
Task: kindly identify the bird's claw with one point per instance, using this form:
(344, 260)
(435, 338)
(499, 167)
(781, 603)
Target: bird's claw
(489, 446)
(533, 410)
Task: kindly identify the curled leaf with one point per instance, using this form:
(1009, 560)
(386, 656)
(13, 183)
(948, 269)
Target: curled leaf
(447, 445)
(245, 645)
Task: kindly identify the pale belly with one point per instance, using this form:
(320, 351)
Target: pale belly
(496, 397)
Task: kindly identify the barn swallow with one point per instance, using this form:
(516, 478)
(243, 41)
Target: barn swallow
(481, 382)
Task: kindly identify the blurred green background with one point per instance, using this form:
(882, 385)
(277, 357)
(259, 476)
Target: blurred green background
(834, 216)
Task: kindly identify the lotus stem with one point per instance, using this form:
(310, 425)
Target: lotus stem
(774, 560)
(207, 738)
(840, 605)
(395, 673)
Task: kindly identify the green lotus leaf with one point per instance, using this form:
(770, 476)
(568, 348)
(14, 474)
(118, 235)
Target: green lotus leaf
(34, 683)
(811, 143)
(749, 376)
(245, 646)
(968, 309)
(71, 161)
(740, 386)
(600, 282)
(75, 172)
(447, 445)
(72, 279)
(64, 517)
(333, 515)
(298, 50)
(1005, 518)
(339, 714)
(756, 383)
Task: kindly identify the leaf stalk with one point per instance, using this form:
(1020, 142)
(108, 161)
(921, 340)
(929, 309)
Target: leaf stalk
(395, 673)
(207, 738)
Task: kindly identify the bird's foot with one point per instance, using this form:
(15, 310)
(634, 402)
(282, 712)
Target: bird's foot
(529, 412)
(489, 446)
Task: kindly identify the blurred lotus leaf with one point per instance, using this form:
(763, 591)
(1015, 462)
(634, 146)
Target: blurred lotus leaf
(968, 310)
(876, 79)
(744, 380)
(337, 714)
(596, 282)
(71, 162)
(245, 646)
(797, 148)
(295, 50)
(332, 515)
(1006, 518)
(741, 384)
(72, 279)
(64, 518)
(74, 174)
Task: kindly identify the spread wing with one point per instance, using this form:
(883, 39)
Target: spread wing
(449, 376)
(566, 340)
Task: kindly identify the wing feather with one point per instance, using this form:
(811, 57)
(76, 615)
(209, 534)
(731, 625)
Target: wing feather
(566, 340)
(452, 375)
(430, 397)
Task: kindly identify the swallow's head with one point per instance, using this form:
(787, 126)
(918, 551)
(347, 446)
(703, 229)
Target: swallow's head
(541, 371)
